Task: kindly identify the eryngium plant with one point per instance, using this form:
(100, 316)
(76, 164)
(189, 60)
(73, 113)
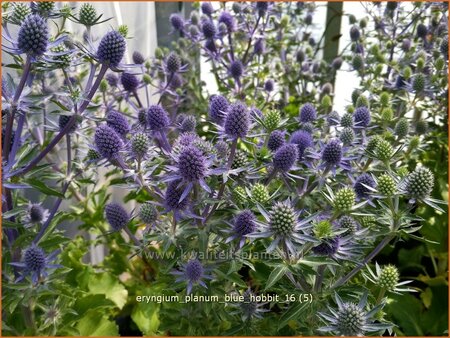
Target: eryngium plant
(264, 187)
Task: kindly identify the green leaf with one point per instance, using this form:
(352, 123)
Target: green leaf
(108, 285)
(146, 317)
(95, 323)
(276, 275)
(43, 188)
(293, 313)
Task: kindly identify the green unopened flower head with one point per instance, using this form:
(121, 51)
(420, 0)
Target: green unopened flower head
(385, 98)
(272, 119)
(344, 200)
(421, 127)
(386, 185)
(414, 143)
(372, 144)
(93, 155)
(355, 94)
(440, 63)
(402, 127)
(87, 14)
(419, 183)
(282, 219)
(323, 229)
(326, 101)
(240, 159)
(388, 277)
(387, 114)
(351, 320)
(367, 221)
(260, 194)
(362, 101)
(418, 83)
(148, 213)
(347, 120)
(420, 63)
(384, 150)
(140, 144)
(350, 109)
(45, 7)
(347, 222)
(63, 61)
(402, 172)
(357, 62)
(20, 12)
(347, 136)
(239, 195)
(123, 30)
(407, 72)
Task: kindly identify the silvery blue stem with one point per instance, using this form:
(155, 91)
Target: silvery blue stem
(366, 260)
(16, 142)
(165, 87)
(244, 58)
(10, 122)
(68, 126)
(52, 214)
(165, 142)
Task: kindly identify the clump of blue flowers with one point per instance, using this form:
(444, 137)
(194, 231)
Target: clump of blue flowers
(123, 181)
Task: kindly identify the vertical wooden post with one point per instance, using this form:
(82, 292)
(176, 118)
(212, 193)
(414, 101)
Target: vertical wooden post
(332, 30)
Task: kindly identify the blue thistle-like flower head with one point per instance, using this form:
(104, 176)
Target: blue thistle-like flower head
(111, 48)
(269, 85)
(218, 106)
(129, 81)
(177, 21)
(209, 29)
(107, 141)
(172, 197)
(35, 214)
(237, 121)
(328, 247)
(207, 8)
(285, 157)
(360, 185)
(422, 31)
(62, 122)
(244, 223)
(308, 113)
(332, 152)
(334, 118)
(192, 165)
(236, 69)
(34, 258)
(33, 35)
(173, 63)
(362, 116)
(118, 122)
(262, 7)
(116, 216)
(112, 79)
(303, 140)
(355, 34)
(193, 272)
(337, 63)
(228, 20)
(276, 140)
(259, 47)
(157, 117)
